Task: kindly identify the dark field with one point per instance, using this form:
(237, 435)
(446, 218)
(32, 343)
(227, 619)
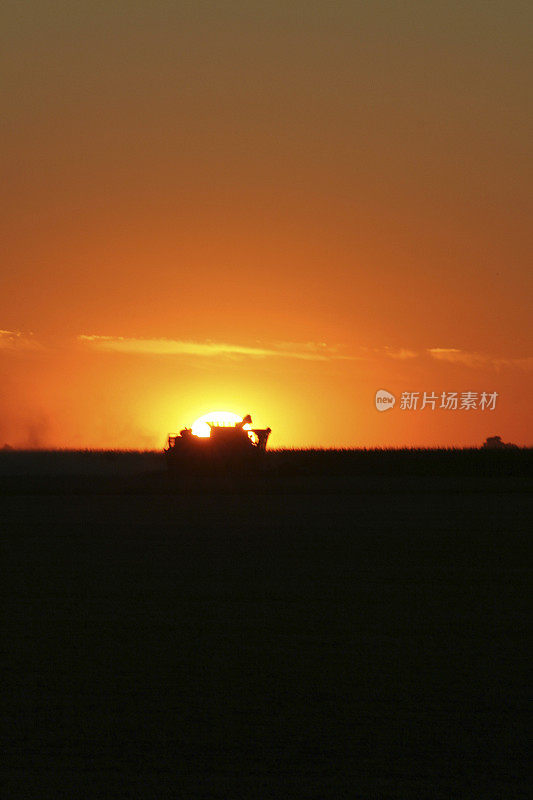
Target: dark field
(343, 628)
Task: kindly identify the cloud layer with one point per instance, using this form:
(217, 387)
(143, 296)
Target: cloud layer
(454, 355)
(16, 340)
(308, 351)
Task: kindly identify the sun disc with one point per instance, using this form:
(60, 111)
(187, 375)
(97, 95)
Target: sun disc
(201, 426)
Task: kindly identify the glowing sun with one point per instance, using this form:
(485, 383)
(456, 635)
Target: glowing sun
(200, 427)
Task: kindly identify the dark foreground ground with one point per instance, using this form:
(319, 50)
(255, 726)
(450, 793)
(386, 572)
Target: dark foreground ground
(358, 637)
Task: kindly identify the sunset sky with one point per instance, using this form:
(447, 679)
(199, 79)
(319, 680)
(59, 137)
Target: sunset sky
(266, 207)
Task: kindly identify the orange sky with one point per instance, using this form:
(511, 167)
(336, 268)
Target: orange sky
(265, 209)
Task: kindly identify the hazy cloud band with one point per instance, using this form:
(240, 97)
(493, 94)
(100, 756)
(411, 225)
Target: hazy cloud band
(308, 351)
(454, 355)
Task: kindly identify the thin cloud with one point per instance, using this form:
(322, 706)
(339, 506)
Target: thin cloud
(16, 340)
(454, 355)
(308, 351)
(401, 353)
(397, 353)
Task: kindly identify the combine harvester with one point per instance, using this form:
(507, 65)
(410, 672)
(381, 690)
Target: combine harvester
(216, 445)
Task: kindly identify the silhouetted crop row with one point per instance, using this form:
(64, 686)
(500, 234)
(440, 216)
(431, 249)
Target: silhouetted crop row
(284, 462)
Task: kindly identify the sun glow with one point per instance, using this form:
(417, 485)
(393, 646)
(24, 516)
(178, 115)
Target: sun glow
(200, 427)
